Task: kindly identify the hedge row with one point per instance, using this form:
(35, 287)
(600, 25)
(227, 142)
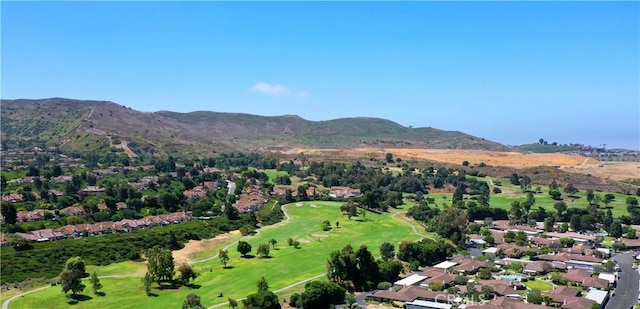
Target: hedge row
(45, 260)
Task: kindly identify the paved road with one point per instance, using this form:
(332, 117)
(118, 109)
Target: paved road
(626, 292)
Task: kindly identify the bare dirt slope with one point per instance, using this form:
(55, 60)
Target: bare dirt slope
(192, 247)
(570, 163)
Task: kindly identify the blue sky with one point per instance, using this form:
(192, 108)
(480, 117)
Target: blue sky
(511, 72)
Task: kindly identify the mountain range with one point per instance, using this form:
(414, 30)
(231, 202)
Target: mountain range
(83, 125)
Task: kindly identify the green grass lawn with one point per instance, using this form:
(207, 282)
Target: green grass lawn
(272, 174)
(123, 268)
(504, 200)
(539, 285)
(286, 266)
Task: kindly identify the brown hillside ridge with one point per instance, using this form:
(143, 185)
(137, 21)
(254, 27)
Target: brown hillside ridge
(516, 160)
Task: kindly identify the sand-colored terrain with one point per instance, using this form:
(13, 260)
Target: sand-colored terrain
(570, 163)
(192, 247)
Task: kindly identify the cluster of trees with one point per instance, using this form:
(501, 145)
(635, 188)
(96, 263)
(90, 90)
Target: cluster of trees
(359, 269)
(263, 298)
(161, 269)
(71, 277)
(318, 295)
(424, 253)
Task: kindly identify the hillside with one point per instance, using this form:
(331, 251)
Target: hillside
(89, 125)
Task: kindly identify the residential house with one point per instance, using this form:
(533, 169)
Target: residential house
(506, 303)
(543, 267)
(281, 190)
(250, 200)
(12, 198)
(467, 265)
(572, 259)
(62, 178)
(411, 293)
(33, 215)
(343, 192)
(5, 241)
(74, 211)
(583, 278)
(56, 192)
(90, 190)
(579, 238)
(42, 235)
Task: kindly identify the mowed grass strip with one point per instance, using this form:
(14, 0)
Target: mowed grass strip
(286, 266)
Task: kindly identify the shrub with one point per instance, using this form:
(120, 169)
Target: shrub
(384, 285)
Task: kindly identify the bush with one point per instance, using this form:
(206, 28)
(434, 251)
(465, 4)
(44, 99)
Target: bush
(384, 285)
(436, 286)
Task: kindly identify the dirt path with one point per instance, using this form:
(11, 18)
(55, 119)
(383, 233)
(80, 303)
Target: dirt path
(413, 227)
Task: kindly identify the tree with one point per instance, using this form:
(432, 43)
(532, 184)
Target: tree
(273, 242)
(487, 291)
(570, 190)
(160, 264)
(548, 224)
(95, 283)
(263, 250)
(615, 229)
(389, 157)
(243, 247)
(263, 298)
(325, 225)
(555, 194)
(321, 295)
(525, 183)
(560, 207)
(186, 273)
(350, 300)
(71, 276)
(387, 251)
(490, 240)
(631, 233)
(368, 271)
(516, 213)
(517, 267)
(514, 179)
(9, 213)
(590, 196)
(233, 303)
(302, 194)
(485, 273)
(353, 211)
(224, 257)
(567, 242)
(535, 297)
(192, 302)
(389, 270)
(451, 223)
(262, 284)
(458, 194)
(146, 281)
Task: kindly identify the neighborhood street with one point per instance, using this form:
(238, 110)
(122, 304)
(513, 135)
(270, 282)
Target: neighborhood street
(626, 292)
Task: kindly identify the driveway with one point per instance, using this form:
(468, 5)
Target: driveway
(626, 292)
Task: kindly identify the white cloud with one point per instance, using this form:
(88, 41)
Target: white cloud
(277, 90)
